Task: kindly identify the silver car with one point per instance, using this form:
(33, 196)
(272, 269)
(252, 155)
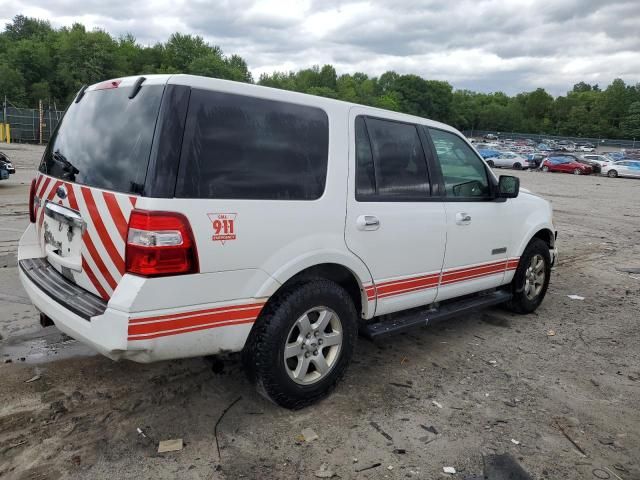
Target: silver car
(622, 168)
(509, 160)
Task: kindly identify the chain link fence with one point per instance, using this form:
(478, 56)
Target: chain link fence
(602, 142)
(29, 125)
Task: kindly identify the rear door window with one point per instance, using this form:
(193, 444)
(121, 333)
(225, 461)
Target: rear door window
(390, 161)
(250, 148)
(104, 140)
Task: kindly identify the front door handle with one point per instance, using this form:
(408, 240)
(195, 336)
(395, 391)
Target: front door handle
(463, 218)
(367, 222)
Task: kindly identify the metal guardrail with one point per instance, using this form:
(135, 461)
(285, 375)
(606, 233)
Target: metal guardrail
(602, 142)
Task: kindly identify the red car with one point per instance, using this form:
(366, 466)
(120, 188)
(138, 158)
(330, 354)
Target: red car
(566, 165)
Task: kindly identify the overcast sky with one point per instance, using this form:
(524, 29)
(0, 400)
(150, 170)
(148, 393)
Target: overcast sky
(483, 45)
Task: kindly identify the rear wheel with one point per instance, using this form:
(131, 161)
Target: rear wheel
(531, 280)
(302, 344)
(545, 168)
(612, 173)
(517, 166)
(577, 171)
(490, 163)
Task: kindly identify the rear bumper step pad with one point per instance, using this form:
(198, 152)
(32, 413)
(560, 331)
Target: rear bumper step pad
(61, 289)
(404, 321)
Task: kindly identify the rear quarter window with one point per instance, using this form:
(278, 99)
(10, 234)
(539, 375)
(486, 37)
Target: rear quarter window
(240, 147)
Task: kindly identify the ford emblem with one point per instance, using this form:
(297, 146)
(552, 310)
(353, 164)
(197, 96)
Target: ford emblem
(61, 192)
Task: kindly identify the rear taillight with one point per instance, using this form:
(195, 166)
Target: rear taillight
(32, 203)
(160, 243)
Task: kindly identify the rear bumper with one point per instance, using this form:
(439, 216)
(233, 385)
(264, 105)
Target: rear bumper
(141, 335)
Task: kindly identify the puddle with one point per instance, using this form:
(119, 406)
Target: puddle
(46, 345)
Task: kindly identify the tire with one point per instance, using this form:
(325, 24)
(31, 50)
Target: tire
(612, 173)
(517, 166)
(577, 171)
(545, 168)
(490, 163)
(524, 300)
(282, 323)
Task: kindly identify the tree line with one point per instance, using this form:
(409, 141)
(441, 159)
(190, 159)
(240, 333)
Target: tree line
(39, 62)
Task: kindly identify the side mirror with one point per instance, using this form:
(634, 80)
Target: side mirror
(508, 186)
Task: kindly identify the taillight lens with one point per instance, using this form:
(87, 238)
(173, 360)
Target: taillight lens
(32, 198)
(160, 243)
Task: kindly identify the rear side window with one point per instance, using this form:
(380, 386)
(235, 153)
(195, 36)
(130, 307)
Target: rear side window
(390, 161)
(249, 148)
(104, 140)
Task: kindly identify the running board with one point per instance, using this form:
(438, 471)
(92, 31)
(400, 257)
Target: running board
(402, 322)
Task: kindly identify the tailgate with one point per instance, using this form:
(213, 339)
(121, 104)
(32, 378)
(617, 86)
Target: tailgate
(82, 232)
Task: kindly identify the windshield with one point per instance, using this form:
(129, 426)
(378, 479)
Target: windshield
(104, 140)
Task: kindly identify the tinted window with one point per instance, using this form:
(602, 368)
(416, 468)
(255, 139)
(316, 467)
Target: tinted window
(399, 165)
(365, 176)
(463, 172)
(105, 139)
(244, 147)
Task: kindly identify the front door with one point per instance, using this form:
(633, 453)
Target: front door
(478, 233)
(393, 224)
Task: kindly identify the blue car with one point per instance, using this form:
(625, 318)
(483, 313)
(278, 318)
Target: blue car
(488, 153)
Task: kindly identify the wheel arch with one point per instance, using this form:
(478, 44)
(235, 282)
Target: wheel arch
(346, 270)
(543, 232)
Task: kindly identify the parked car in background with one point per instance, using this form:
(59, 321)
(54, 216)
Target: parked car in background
(614, 156)
(6, 164)
(490, 136)
(565, 164)
(580, 159)
(543, 147)
(600, 159)
(536, 159)
(488, 153)
(509, 160)
(623, 168)
(587, 147)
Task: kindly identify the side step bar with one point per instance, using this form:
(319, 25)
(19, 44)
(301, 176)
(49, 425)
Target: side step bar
(403, 321)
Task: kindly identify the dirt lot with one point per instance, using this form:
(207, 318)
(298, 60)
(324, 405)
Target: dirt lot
(498, 378)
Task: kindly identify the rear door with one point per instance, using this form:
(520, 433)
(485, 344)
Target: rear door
(394, 223)
(91, 175)
(477, 227)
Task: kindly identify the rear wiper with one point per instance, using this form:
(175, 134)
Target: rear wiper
(136, 87)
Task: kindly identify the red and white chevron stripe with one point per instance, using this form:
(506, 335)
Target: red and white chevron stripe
(103, 243)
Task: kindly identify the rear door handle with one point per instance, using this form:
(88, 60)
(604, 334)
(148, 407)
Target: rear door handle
(463, 218)
(367, 222)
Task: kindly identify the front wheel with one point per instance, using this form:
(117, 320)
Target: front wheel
(612, 173)
(531, 280)
(545, 168)
(302, 344)
(490, 163)
(577, 171)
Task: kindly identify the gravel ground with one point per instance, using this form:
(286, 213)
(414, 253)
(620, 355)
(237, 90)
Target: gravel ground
(558, 390)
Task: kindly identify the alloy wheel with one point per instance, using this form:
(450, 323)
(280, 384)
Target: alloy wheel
(534, 277)
(313, 345)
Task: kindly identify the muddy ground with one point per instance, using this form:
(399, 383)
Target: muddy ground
(504, 382)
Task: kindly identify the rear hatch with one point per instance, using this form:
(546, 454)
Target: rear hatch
(90, 178)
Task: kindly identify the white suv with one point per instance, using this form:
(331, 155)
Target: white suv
(178, 216)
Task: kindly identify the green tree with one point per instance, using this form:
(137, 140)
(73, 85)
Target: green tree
(630, 125)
